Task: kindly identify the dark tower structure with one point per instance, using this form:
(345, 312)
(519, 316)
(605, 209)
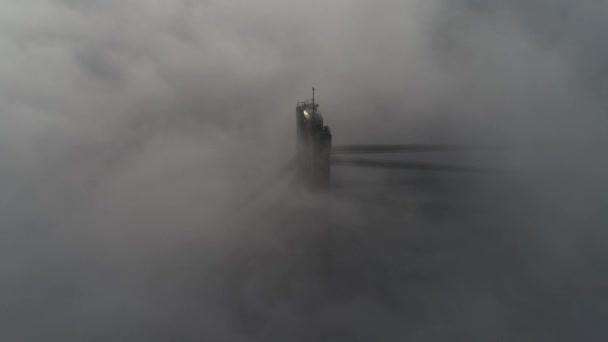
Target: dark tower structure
(313, 145)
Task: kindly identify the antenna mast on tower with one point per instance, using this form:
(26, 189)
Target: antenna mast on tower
(314, 108)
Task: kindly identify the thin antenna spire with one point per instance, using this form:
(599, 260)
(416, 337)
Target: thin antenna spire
(314, 108)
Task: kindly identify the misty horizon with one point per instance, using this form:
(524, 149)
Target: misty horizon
(136, 137)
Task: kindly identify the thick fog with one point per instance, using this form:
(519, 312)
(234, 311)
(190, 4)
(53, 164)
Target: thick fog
(139, 141)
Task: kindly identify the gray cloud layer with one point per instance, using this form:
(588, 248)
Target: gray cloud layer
(130, 128)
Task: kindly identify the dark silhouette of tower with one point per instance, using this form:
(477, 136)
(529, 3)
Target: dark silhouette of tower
(313, 145)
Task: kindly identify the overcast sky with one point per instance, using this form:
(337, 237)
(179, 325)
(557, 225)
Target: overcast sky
(130, 129)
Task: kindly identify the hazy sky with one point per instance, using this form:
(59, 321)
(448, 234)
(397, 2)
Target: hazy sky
(130, 129)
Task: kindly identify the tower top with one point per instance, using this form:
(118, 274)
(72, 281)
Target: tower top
(314, 108)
